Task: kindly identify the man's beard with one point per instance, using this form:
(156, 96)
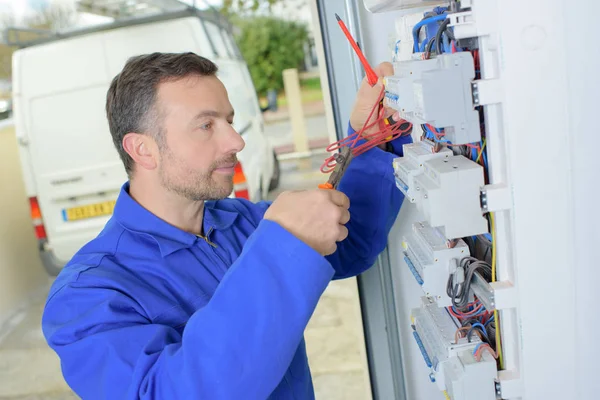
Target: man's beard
(195, 185)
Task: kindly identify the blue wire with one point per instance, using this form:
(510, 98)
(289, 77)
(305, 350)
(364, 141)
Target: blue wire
(478, 324)
(488, 321)
(421, 24)
(477, 347)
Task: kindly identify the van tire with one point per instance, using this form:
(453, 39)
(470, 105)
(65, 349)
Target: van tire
(51, 264)
(274, 184)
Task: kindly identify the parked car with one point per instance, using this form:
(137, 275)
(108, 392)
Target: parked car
(71, 170)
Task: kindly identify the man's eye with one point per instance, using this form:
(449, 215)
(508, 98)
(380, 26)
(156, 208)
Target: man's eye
(206, 126)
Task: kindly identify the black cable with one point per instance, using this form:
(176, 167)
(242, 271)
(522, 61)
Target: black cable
(459, 293)
(483, 331)
(429, 46)
(438, 36)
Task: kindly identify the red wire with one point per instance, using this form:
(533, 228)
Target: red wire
(385, 134)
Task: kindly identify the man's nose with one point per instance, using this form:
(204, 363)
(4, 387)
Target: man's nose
(234, 143)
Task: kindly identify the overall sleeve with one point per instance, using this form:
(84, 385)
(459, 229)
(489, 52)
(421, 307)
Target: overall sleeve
(238, 346)
(375, 202)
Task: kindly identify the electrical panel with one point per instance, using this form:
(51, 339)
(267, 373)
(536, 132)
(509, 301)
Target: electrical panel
(473, 79)
(435, 86)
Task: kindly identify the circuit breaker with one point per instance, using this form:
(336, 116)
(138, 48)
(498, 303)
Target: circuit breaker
(437, 92)
(431, 260)
(411, 165)
(450, 196)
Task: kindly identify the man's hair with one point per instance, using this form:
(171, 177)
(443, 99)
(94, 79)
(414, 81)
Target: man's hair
(131, 98)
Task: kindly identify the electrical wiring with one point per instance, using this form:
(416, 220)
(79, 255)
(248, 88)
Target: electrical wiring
(438, 36)
(420, 24)
(386, 133)
(478, 351)
(496, 321)
(459, 292)
(477, 325)
(481, 151)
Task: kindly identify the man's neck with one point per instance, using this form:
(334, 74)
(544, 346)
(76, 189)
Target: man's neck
(180, 212)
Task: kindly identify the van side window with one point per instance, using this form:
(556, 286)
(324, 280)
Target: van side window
(214, 33)
(230, 44)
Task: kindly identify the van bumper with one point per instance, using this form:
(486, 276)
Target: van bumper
(51, 263)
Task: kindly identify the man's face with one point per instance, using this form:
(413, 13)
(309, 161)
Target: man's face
(198, 145)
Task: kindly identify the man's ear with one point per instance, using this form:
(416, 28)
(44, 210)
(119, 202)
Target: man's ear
(142, 148)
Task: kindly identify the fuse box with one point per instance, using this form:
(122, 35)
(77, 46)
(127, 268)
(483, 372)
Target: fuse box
(450, 196)
(411, 165)
(431, 260)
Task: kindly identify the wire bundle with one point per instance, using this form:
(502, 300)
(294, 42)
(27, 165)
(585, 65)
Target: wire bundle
(459, 282)
(385, 134)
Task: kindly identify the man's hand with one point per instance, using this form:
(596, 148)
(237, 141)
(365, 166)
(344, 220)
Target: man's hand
(366, 98)
(316, 217)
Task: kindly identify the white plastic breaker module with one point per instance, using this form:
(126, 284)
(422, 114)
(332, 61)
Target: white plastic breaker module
(437, 92)
(408, 167)
(453, 366)
(450, 196)
(430, 260)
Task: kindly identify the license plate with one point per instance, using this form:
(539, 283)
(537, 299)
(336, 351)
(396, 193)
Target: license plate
(89, 211)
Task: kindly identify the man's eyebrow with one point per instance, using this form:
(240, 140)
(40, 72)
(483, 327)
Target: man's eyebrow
(212, 113)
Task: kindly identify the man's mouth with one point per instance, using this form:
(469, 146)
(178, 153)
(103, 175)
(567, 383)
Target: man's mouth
(226, 168)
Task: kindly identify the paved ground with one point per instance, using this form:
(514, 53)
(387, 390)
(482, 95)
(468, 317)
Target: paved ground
(29, 370)
(280, 134)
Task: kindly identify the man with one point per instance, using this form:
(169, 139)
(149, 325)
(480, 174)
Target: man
(186, 294)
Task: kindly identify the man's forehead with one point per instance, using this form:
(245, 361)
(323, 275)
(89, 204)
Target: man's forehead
(195, 90)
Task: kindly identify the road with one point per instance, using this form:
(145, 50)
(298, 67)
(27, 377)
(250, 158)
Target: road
(280, 133)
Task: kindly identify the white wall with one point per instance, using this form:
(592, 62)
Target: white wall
(21, 271)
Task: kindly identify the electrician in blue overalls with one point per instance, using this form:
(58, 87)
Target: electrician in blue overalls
(188, 294)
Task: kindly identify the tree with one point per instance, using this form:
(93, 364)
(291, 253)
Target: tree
(54, 17)
(242, 6)
(270, 45)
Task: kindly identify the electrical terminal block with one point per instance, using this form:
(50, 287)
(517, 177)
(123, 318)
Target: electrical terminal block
(431, 260)
(450, 196)
(452, 365)
(408, 167)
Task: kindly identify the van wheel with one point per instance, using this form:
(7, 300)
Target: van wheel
(274, 184)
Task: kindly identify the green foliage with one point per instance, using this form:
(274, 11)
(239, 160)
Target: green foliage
(311, 83)
(269, 46)
(245, 5)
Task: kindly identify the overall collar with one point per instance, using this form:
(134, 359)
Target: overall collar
(133, 217)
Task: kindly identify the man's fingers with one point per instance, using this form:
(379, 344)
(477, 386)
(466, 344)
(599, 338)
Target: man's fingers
(339, 199)
(384, 69)
(343, 233)
(345, 217)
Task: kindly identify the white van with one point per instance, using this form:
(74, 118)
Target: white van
(71, 170)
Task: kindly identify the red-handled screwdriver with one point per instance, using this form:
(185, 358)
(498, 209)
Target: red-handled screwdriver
(371, 75)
